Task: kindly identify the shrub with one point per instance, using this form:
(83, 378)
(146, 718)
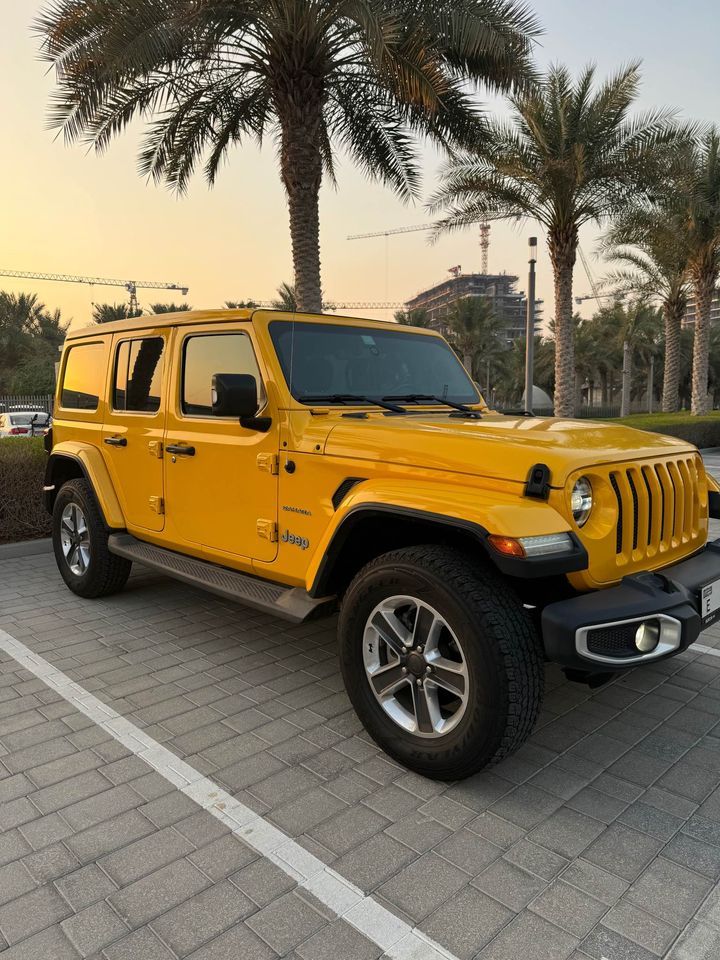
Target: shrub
(702, 431)
(22, 471)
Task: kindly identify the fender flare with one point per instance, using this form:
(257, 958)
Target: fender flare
(485, 512)
(92, 467)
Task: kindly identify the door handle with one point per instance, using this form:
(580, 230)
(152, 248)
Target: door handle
(116, 441)
(179, 450)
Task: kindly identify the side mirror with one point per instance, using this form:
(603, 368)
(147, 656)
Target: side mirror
(236, 395)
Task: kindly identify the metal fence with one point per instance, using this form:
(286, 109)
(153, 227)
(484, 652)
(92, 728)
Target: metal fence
(22, 401)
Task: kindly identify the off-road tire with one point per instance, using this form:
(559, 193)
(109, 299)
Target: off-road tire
(106, 573)
(501, 647)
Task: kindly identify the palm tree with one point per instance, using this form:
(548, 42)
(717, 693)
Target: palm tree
(570, 155)
(107, 312)
(702, 227)
(640, 327)
(413, 318)
(316, 75)
(286, 299)
(474, 328)
(170, 307)
(652, 256)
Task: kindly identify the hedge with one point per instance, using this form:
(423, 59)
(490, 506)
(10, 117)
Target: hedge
(702, 431)
(22, 471)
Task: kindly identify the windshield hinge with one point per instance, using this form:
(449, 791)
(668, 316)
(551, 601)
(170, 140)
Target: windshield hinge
(268, 463)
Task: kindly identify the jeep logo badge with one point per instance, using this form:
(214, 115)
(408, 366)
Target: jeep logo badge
(301, 542)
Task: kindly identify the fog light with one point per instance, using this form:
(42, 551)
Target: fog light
(647, 636)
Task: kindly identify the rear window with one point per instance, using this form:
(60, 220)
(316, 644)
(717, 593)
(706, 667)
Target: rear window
(84, 377)
(138, 375)
(26, 419)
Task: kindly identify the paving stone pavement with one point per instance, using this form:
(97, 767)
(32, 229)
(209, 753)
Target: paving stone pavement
(599, 839)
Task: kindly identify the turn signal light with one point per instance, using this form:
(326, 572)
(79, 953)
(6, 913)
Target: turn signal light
(508, 546)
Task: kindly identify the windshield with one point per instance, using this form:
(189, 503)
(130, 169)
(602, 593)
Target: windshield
(342, 361)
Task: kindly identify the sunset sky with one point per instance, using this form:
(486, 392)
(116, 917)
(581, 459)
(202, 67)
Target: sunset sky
(67, 210)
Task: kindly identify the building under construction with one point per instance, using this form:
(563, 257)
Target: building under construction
(691, 310)
(508, 303)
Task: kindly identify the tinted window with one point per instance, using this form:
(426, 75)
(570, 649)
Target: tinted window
(138, 375)
(25, 419)
(207, 355)
(84, 377)
(326, 359)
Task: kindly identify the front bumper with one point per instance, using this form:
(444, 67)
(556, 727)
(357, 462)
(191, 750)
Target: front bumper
(596, 631)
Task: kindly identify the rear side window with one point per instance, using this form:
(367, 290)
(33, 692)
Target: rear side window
(210, 354)
(138, 375)
(84, 377)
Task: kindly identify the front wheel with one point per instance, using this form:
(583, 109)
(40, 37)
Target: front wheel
(440, 660)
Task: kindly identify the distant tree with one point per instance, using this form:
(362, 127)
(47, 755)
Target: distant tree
(170, 307)
(413, 318)
(30, 335)
(474, 329)
(701, 222)
(570, 155)
(286, 299)
(107, 312)
(652, 257)
(240, 305)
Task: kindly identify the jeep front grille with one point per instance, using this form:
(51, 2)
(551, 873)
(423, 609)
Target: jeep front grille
(659, 508)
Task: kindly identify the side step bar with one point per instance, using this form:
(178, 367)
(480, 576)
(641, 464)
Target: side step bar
(288, 603)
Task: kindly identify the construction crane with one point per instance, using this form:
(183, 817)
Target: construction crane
(132, 286)
(334, 305)
(484, 238)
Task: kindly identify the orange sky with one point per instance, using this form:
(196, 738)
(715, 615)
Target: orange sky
(67, 210)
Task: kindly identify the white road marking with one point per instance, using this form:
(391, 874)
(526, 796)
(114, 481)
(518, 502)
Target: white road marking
(701, 648)
(396, 938)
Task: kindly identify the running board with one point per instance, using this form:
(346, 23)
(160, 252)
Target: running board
(288, 603)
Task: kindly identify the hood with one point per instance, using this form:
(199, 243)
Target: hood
(496, 447)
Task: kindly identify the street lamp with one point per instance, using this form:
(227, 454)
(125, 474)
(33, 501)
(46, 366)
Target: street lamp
(530, 328)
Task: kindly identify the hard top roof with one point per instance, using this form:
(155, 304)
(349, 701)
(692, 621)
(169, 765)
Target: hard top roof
(214, 316)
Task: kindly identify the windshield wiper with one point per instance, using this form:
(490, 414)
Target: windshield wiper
(432, 398)
(353, 398)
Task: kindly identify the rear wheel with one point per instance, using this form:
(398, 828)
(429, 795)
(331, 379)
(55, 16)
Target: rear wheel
(442, 663)
(80, 543)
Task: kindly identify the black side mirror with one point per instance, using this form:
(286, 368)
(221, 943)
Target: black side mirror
(236, 395)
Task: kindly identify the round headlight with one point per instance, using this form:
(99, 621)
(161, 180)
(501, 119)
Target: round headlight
(581, 501)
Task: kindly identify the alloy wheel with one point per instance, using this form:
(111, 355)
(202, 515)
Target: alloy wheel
(415, 666)
(75, 539)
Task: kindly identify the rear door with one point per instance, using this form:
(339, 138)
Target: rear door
(134, 426)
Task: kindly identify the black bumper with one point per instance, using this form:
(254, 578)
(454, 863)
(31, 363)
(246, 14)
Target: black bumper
(596, 631)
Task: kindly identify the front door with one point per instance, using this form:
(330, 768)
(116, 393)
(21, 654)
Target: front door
(134, 426)
(221, 478)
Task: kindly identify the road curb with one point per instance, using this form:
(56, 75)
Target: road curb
(29, 548)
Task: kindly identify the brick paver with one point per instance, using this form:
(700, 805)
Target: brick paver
(600, 838)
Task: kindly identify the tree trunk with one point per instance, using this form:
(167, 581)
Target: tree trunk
(626, 380)
(301, 167)
(563, 250)
(468, 363)
(673, 314)
(704, 287)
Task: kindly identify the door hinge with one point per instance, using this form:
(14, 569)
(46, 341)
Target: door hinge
(157, 505)
(268, 463)
(268, 530)
(155, 448)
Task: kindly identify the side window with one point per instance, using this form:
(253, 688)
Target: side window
(206, 355)
(84, 377)
(138, 375)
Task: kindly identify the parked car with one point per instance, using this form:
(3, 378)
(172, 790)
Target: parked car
(298, 463)
(24, 423)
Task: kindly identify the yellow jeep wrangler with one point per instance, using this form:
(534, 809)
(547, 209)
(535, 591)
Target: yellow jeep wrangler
(294, 463)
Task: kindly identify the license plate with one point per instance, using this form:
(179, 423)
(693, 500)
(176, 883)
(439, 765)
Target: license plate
(710, 603)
